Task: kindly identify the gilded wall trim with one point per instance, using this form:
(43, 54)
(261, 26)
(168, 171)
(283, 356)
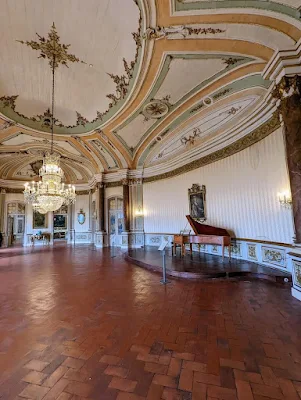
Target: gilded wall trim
(113, 184)
(258, 134)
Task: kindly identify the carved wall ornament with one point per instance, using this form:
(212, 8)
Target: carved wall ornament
(155, 239)
(236, 249)
(160, 32)
(190, 140)
(214, 248)
(297, 273)
(273, 256)
(252, 252)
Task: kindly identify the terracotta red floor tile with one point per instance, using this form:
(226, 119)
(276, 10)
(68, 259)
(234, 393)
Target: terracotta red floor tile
(94, 324)
(36, 365)
(116, 371)
(35, 377)
(125, 385)
(34, 392)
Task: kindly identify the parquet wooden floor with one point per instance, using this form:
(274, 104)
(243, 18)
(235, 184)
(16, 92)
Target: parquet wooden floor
(78, 324)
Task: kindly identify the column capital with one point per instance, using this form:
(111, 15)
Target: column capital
(125, 181)
(287, 87)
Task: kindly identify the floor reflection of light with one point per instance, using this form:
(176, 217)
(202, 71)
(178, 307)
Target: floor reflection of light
(41, 294)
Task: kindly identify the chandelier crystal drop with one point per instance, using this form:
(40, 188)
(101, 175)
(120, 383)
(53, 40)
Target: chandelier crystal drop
(50, 193)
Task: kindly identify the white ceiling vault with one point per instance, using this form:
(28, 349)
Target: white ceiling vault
(162, 83)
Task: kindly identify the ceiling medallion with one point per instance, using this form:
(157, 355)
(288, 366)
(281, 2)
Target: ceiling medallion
(156, 109)
(49, 194)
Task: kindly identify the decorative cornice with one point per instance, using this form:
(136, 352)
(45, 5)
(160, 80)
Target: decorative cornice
(113, 184)
(82, 192)
(258, 134)
(13, 190)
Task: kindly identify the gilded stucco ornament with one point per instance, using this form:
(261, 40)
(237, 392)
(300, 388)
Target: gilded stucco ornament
(191, 139)
(52, 46)
(161, 32)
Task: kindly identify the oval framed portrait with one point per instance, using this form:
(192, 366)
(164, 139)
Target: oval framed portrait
(81, 217)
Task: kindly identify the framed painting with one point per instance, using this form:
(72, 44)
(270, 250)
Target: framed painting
(60, 221)
(39, 220)
(197, 202)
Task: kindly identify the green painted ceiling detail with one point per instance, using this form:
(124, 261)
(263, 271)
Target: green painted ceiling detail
(124, 85)
(237, 86)
(257, 4)
(230, 61)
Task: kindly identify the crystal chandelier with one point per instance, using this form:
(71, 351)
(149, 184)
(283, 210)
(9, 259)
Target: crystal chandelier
(50, 193)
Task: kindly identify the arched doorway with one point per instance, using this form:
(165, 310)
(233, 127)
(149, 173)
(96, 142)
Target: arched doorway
(116, 220)
(15, 223)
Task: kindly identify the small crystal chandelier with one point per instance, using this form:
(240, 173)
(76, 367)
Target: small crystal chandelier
(50, 193)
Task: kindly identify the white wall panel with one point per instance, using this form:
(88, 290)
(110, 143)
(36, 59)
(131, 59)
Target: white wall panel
(82, 202)
(241, 194)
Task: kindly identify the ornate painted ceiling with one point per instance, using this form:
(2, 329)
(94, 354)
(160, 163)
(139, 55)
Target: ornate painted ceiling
(142, 84)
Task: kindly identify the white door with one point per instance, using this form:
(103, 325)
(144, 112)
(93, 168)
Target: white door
(116, 220)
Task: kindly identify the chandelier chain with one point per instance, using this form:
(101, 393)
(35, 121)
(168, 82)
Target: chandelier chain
(50, 193)
(52, 111)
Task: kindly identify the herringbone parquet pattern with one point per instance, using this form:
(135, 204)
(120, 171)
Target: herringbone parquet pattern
(77, 324)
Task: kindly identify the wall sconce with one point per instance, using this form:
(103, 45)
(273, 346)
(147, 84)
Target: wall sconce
(139, 211)
(285, 199)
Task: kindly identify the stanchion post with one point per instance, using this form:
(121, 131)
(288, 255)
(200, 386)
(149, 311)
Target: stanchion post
(164, 281)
